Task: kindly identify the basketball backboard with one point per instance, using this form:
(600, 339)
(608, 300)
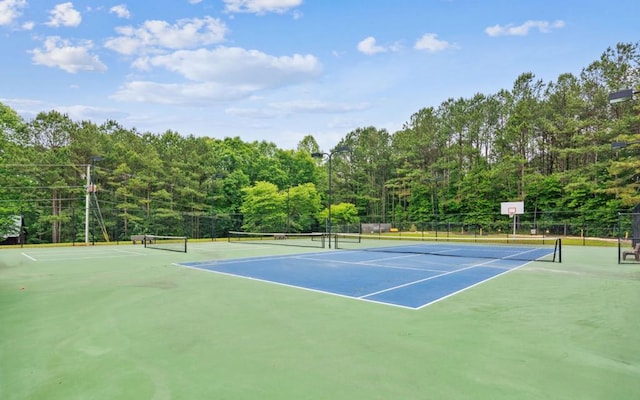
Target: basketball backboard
(512, 208)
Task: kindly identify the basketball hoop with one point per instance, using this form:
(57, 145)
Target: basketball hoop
(512, 208)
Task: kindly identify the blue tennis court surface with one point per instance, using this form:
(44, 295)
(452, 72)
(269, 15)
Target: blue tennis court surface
(403, 280)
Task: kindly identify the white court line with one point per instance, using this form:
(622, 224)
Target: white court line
(29, 257)
(371, 263)
(525, 252)
(427, 279)
(72, 256)
(295, 286)
(471, 286)
(83, 258)
(235, 261)
(131, 252)
(235, 247)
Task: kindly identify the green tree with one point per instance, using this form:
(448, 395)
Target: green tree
(341, 214)
(308, 144)
(362, 173)
(49, 135)
(263, 208)
(303, 204)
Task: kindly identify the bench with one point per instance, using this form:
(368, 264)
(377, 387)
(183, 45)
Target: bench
(280, 236)
(635, 252)
(139, 238)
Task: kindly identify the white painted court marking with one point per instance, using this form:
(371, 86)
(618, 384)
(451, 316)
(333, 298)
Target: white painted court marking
(294, 286)
(29, 257)
(43, 255)
(427, 279)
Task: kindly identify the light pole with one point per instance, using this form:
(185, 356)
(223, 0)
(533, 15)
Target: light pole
(434, 199)
(342, 149)
(213, 211)
(288, 208)
(90, 189)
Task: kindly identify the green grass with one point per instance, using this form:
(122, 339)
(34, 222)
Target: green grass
(78, 324)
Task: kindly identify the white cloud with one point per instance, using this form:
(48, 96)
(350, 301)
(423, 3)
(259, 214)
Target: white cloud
(315, 106)
(260, 6)
(369, 46)
(18, 104)
(152, 35)
(64, 14)
(195, 1)
(183, 94)
(62, 54)
(431, 43)
(522, 30)
(10, 10)
(90, 113)
(280, 109)
(254, 113)
(29, 25)
(222, 74)
(238, 66)
(121, 11)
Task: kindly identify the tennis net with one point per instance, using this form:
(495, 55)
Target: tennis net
(170, 243)
(311, 239)
(508, 248)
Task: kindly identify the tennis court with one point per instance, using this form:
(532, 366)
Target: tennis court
(399, 273)
(116, 322)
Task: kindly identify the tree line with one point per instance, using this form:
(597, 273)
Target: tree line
(545, 143)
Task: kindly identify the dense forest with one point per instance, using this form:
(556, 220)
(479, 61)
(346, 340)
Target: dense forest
(548, 144)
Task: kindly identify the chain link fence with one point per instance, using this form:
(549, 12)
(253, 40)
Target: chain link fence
(66, 222)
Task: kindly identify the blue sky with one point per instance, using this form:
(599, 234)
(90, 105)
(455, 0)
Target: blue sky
(279, 70)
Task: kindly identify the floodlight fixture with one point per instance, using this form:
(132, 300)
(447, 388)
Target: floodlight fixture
(622, 95)
(620, 145)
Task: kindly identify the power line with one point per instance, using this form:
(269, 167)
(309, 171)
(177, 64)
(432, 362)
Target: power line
(43, 187)
(38, 200)
(44, 165)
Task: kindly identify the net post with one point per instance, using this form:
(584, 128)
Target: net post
(559, 247)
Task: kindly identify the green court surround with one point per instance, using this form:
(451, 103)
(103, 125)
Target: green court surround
(123, 322)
